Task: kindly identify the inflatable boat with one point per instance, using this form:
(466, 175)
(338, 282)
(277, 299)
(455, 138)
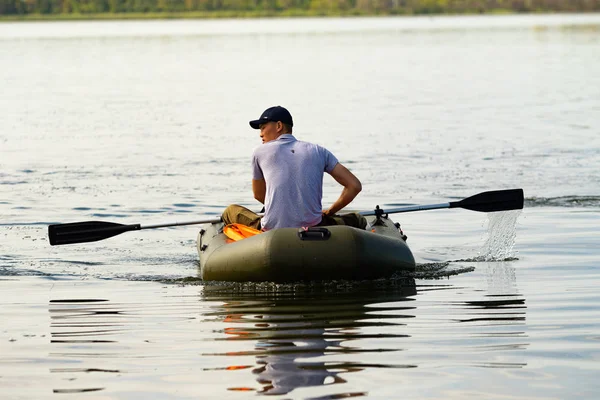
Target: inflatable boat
(313, 254)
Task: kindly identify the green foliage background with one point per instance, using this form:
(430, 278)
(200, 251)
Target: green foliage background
(217, 8)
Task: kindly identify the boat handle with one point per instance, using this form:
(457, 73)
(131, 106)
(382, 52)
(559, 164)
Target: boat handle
(314, 233)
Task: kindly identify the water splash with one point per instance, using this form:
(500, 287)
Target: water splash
(501, 237)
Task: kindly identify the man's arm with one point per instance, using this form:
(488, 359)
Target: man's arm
(259, 188)
(351, 184)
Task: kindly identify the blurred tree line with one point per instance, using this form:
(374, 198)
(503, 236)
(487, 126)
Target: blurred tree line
(23, 7)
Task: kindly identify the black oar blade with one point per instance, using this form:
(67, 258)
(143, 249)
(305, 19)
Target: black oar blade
(496, 200)
(89, 231)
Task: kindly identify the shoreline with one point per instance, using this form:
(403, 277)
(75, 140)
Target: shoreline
(295, 13)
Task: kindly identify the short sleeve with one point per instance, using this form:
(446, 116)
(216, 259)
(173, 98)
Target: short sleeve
(330, 160)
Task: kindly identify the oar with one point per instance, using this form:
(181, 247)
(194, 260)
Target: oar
(496, 200)
(91, 231)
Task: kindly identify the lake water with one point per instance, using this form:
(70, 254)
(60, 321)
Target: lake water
(147, 122)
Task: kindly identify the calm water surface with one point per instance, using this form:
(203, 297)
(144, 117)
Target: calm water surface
(146, 122)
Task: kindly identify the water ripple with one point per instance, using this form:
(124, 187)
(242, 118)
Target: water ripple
(563, 201)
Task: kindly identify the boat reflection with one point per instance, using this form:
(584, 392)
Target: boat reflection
(305, 338)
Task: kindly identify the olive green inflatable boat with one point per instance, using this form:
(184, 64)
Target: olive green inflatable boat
(292, 255)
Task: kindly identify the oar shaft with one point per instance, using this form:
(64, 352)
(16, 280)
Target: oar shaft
(408, 209)
(205, 221)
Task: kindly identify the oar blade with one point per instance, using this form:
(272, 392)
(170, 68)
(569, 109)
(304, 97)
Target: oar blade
(492, 201)
(88, 231)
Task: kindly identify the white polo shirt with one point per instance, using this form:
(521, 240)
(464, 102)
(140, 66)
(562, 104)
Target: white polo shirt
(293, 172)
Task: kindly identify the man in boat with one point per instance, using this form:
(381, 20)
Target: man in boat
(287, 177)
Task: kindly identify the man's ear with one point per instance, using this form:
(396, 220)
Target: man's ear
(279, 126)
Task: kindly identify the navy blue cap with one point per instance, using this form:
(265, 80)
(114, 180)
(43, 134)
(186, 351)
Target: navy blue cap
(273, 114)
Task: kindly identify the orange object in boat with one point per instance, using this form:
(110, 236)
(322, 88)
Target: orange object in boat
(237, 232)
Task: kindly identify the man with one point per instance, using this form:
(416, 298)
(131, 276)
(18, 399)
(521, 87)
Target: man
(287, 177)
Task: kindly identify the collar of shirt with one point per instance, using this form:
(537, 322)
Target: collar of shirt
(286, 137)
